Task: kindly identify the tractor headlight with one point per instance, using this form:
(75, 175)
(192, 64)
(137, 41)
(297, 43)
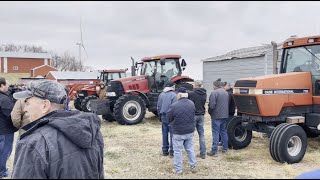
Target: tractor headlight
(255, 91)
(112, 94)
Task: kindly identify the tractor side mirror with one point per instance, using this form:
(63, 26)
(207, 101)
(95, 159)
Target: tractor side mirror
(163, 61)
(183, 64)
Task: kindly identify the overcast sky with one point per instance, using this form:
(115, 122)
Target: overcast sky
(114, 31)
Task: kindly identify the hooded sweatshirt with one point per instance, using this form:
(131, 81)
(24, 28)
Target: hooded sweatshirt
(60, 145)
(199, 97)
(165, 99)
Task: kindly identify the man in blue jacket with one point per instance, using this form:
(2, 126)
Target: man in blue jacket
(181, 116)
(166, 98)
(6, 127)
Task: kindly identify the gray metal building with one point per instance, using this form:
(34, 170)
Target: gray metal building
(241, 63)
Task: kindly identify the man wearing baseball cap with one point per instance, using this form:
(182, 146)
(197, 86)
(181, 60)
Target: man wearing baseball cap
(57, 144)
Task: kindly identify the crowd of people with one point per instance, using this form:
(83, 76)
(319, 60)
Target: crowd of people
(55, 142)
(182, 112)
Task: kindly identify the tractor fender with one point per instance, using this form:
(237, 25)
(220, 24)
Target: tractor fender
(143, 95)
(181, 78)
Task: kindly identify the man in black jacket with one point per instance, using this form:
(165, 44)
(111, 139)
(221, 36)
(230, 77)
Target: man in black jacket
(6, 127)
(199, 96)
(57, 144)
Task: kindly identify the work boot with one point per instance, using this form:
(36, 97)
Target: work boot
(165, 153)
(193, 169)
(203, 156)
(211, 153)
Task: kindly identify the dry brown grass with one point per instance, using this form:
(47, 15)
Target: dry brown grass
(135, 152)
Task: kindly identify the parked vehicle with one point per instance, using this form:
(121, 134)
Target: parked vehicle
(285, 106)
(129, 98)
(84, 93)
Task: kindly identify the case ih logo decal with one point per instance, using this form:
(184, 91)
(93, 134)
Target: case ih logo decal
(286, 91)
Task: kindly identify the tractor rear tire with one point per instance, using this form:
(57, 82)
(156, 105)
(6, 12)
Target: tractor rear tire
(288, 143)
(85, 104)
(108, 117)
(238, 137)
(129, 109)
(77, 104)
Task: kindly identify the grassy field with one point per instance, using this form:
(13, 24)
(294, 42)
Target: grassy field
(135, 152)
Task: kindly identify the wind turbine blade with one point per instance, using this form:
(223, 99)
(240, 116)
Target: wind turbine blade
(84, 50)
(81, 31)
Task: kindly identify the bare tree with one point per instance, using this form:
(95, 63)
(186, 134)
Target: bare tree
(64, 62)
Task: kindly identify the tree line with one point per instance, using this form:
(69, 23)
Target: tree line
(62, 62)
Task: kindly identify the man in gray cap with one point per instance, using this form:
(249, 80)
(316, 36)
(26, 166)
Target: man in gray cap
(219, 111)
(57, 144)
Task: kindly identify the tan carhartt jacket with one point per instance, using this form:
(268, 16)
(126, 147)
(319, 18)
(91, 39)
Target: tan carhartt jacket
(18, 116)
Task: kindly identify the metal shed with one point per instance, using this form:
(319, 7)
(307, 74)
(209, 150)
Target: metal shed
(241, 63)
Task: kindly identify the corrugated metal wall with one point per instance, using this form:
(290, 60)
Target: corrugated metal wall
(231, 70)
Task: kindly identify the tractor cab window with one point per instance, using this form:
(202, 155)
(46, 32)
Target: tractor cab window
(302, 59)
(148, 68)
(122, 75)
(170, 69)
(114, 76)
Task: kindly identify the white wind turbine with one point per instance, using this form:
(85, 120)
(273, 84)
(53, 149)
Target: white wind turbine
(80, 44)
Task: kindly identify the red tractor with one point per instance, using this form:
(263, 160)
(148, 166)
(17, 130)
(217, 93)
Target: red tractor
(84, 93)
(128, 98)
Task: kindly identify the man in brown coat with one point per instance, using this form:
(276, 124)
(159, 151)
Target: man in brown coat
(19, 117)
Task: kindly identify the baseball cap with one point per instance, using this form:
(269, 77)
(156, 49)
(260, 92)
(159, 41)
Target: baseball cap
(182, 90)
(44, 89)
(169, 84)
(198, 83)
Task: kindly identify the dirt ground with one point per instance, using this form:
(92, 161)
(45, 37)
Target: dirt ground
(135, 152)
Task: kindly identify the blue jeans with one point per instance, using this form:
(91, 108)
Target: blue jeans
(6, 142)
(219, 127)
(166, 129)
(199, 125)
(186, 141)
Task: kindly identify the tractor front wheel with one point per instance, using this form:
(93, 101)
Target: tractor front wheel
(85, 104)
(129, 109)
(288, 143)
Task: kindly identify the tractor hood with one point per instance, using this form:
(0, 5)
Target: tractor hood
(268, 95)
(139, 83)
(293, 80)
